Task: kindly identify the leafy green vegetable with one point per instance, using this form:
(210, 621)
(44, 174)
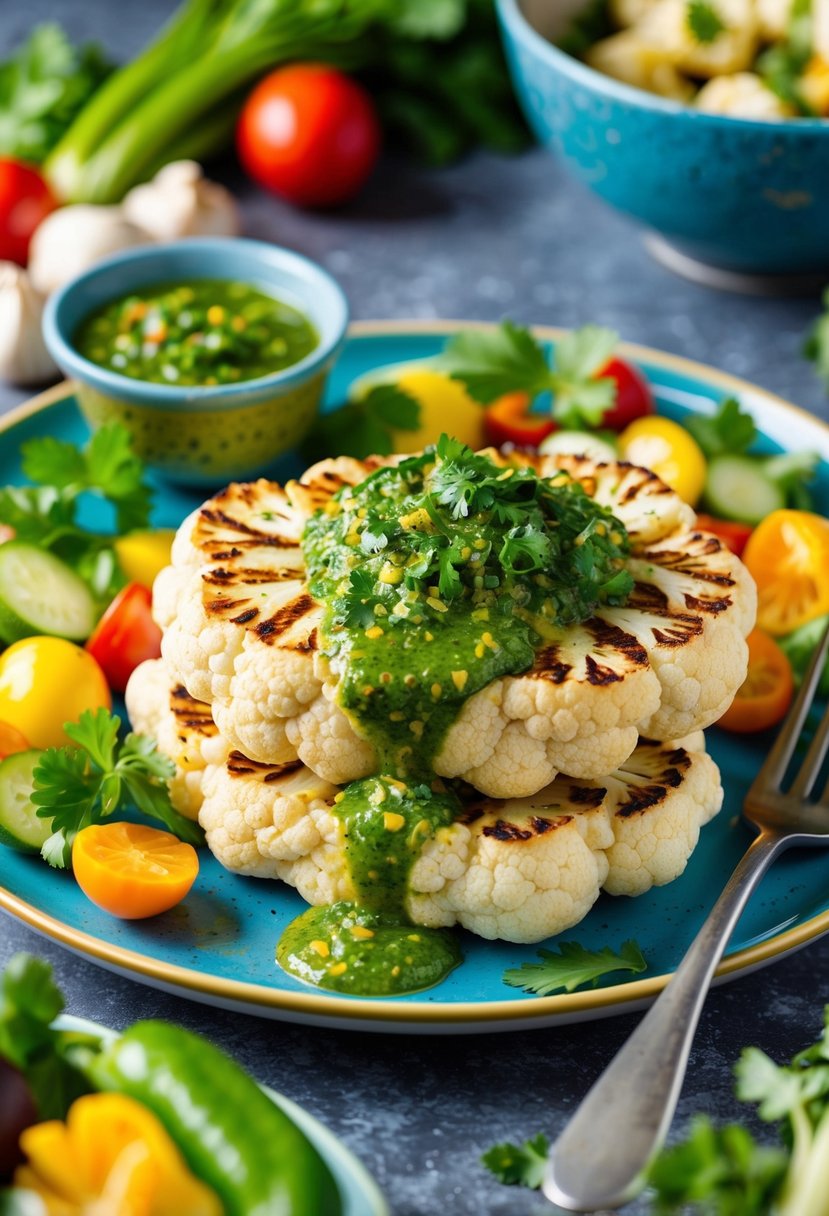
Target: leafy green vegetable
(573, 967)
(42, 88)
(724, 1172)
(731, 430)
(29, 1003)
(782, 65)
(46, 514)
(175, 99)
(77, 786)
(703, 20)
(519, 1164)
(364, 427)
(490, 363)
(799, 647)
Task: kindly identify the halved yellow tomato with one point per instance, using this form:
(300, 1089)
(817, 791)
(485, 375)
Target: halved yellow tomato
(788, 558)
(667, 449)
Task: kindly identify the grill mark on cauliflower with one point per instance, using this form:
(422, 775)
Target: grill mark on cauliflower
(505, 830)
(275, 697)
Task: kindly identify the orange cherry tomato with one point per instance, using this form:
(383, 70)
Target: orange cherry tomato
(133, 871)
(788, 557)
(11, 740)
(125, 636)
(510, 420)
(732, 534)
(766, 693)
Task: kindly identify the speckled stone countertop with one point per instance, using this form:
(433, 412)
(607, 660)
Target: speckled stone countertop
(486, 239)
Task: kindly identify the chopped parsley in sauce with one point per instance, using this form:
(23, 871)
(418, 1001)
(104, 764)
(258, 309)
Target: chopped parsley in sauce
(437, 576)
(205, 332)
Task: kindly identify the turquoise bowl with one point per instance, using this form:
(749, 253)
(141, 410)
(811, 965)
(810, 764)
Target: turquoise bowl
(209, 433)
(736, 194)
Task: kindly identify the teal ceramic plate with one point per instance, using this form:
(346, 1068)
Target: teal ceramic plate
(218, 946)
(358, 1191)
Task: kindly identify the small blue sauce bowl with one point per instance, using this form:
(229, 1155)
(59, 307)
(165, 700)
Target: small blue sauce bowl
(735, 194)
(204, 434)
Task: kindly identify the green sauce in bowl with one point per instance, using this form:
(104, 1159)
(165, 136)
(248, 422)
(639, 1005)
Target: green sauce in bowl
(202, 332)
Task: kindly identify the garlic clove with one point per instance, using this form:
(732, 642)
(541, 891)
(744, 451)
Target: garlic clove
(24, 358)
(72, 238)
(179, 202)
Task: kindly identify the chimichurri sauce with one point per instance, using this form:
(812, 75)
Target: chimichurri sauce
(437, 577)
(205, 332)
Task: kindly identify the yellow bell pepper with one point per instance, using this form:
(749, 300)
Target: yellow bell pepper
(112, 1155)
(143, 554)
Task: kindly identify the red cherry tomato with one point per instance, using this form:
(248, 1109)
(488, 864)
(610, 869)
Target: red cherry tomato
(633, 395)
(509, 420)
(310, 134)
(732, 534)
(126, 635)
(25, 200)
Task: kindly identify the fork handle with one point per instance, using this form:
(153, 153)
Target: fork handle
(599, 1159)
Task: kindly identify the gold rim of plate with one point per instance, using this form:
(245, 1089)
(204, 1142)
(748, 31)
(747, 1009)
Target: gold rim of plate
(320, 1004)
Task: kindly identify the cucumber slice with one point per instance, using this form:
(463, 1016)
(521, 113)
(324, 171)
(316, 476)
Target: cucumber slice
(20, 826)
(40, 594)
(738, 487)
(578, 443)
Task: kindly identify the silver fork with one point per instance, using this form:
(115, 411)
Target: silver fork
(600, 1159)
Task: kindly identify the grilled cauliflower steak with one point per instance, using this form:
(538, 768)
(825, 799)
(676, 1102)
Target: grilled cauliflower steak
(517, 869)
(241, 633)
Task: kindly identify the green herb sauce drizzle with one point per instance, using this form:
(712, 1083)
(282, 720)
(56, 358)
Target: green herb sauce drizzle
(437, 577)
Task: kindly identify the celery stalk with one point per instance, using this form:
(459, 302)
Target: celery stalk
(210, 50)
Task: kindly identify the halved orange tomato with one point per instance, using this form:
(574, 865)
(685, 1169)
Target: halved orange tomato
(788, 557)
(766, 693)
(133, 871)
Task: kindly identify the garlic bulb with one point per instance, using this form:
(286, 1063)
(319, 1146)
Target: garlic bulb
(24, 358)
(72, 238)
(180, 201)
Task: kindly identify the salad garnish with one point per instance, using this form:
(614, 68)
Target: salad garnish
(573, 966)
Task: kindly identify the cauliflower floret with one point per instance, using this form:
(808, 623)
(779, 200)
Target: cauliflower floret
(627, 57)
(183, 728)
(243, 638)
(666, 28)
(741, 95)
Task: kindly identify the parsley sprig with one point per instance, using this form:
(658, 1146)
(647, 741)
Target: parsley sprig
(365, 426)
(490, 363)
(77, 786)
(519, 1164)
(572, 967)
(704, 22)
(46, 513)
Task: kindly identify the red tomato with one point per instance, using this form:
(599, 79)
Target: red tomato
(126, 635)
(509, 420)
(310, 134)
(732, 534)
(633, 395)
(25, 200)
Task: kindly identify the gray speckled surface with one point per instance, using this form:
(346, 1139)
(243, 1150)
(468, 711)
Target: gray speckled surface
(485, 239)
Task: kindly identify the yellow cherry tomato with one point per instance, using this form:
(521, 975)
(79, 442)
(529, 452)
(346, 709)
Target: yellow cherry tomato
(143, 554)
(667, 449)
(787, 555)
(445, 405)
(45, 682)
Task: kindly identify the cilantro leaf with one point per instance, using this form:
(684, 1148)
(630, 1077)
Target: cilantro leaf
(572, 967)
(490, 363)
(78, 786)
(42, 87)
(584, 352)
(364, 426)
(29, 1002)
(704, 22)
(721, 1171)
(108, 466)
(357, 610)
(519, 1164)
(730, 429)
